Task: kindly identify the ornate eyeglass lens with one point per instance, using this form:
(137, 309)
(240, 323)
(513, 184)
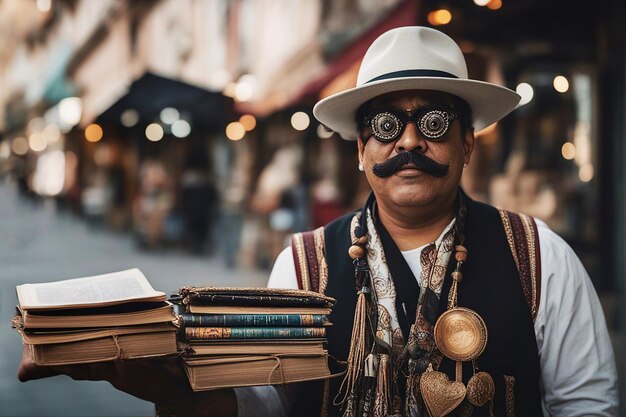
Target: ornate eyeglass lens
(432, 123)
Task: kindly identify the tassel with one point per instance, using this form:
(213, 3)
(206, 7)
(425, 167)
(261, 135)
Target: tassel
(457, 276)
(356, 357)
(382, 405)
(410, 399)
(350, 406)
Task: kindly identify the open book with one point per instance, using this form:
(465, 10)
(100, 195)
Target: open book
(92, 319)
(94, 291)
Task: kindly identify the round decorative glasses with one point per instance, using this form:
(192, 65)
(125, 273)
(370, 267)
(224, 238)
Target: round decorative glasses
(433, 123)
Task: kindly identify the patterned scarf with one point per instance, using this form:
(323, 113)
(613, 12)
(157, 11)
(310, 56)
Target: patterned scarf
(412, 357)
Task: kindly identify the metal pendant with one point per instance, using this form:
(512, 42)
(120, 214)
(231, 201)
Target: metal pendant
(461, 334)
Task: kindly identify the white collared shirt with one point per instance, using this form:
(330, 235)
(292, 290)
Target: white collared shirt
(578, 375)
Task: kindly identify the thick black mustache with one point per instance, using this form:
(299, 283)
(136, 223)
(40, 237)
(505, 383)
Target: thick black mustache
(421, 162)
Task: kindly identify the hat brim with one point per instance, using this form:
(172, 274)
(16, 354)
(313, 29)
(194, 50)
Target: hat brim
(489, 102)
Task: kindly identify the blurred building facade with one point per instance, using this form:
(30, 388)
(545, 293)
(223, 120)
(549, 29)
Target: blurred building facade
(189, 122)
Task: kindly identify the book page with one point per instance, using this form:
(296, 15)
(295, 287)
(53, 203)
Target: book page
(96, 290)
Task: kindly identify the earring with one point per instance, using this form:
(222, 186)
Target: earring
(361, 167)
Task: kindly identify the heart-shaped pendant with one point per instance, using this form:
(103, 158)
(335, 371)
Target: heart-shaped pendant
(480, 389)
(440, 394)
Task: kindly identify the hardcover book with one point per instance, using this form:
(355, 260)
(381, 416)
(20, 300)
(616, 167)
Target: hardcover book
(254, 347)
(262, 297)
(249, 370)
(100, 345)
(200, 309)
(253, 320)
(192, 333)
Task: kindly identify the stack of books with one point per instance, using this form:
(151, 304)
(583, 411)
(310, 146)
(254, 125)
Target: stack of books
(95, 319)
(237, 337)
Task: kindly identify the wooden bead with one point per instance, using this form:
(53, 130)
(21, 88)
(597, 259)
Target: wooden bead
(460, 253)
(356, 252)
(457, 276)
(361, 241)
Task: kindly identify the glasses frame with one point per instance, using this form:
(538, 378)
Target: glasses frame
(416, 116)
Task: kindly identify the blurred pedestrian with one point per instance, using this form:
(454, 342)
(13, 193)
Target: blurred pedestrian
(153, 204)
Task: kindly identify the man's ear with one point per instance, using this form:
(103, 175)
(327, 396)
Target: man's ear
(468, 145)
(361, 146)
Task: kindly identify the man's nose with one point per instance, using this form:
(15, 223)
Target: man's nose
(411, 139)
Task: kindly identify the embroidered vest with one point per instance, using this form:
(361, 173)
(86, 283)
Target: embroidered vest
(501, 283)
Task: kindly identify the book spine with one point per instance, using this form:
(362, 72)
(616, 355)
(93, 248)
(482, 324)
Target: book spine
(254, 332)
(253, 300)
(253, 320)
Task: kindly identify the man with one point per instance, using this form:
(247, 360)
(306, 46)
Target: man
(522, 326)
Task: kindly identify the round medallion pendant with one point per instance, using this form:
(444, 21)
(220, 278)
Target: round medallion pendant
(461, 334)
(480, 389)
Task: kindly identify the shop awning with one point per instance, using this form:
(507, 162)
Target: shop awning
(151, 93)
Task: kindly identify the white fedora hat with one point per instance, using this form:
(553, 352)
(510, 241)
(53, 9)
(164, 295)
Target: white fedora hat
(414, 58)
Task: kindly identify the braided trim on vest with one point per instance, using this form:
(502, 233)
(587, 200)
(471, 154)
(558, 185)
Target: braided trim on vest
(318, 235)
(310, 260)
(523, 238)
(300, 260)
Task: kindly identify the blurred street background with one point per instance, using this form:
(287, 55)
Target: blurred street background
(177, 136)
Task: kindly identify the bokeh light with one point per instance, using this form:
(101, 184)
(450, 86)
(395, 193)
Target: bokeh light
(19, 146)
(300, 120)
(494, 4)
(586, 173)
(37, 142)
(93, 133)
(526, 91)
(235, 131)
(560, 83)
(169, 115)
(129, 118)
(248, 122)
(323, 132)
(154, 132)
(568, 150)
(181, 128)
(439, 17)
(70, 110)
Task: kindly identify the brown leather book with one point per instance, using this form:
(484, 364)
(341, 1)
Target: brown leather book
(101, 345)
(250, 370)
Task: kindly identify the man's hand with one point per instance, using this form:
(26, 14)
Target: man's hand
(161, 381)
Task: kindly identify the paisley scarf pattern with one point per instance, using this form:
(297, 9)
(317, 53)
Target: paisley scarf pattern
(420, 350)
